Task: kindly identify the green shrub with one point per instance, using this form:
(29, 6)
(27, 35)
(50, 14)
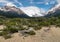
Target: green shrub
(37, 28)
(1, 23)
(10, 30)
(22, 28)
(13, 30)
(7, 36)
(3, 33)
(30, 33)
(58, 25)
(0, 33)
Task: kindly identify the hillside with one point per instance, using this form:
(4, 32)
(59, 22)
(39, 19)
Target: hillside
(55, 11)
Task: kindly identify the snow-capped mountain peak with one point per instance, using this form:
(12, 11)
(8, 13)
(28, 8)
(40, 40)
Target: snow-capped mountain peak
(57, 7)
(33, 11)
(55, 11)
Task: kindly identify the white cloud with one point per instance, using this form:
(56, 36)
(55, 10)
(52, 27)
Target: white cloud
(39, 2)
(3, 1)
(46, 3)
(6, 2)
(18, 2)
(10, 4)
(31, 2)
(52, 2)
(58, 1)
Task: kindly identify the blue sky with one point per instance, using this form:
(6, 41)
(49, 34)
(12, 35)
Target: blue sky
(45, 4)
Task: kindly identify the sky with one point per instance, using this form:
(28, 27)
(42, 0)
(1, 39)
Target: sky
(44, 4)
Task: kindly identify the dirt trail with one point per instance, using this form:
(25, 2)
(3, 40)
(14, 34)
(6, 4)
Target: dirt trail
(52, 35)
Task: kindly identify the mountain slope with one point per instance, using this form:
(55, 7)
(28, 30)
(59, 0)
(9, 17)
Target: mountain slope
(11, 11)
(55, 11)
(33, 11)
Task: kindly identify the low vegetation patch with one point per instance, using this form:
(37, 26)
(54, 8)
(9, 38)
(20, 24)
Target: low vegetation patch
(30, 33)
(14, 25)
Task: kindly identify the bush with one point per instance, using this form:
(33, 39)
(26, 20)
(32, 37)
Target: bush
(58, 25)
(3, 33)
(30, 33)
(22, 28)
(37, 28)
(10, 30)
(1, 23)
(0, 33)
(13, 30)
(7, 36)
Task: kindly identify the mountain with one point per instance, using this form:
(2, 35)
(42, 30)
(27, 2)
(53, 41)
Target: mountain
(33, 11)
(55, 11)
(12, 11)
